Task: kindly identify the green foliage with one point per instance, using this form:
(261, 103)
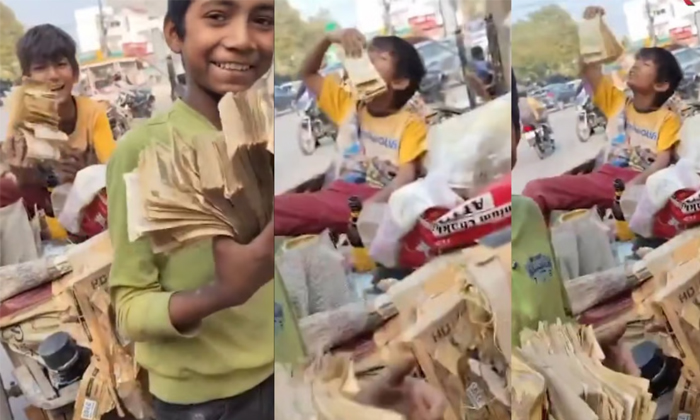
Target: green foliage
(294, 36)
(10, 32)
(545, 43)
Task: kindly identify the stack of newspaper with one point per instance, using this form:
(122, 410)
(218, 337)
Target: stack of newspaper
(364, 80)
(558, 374)
(35, 116)
(221, 184)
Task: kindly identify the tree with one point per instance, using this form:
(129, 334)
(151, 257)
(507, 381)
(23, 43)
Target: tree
(294, 36)
(546, 43)
(11, 30)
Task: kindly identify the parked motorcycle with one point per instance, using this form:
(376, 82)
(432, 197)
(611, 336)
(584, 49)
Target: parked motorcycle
(119, 120)
(540, 138)
(589, 119)
(139, 101)
(314, 126)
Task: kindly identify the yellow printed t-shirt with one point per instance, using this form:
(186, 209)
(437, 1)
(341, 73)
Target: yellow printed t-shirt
(373, 147)
(645, 133)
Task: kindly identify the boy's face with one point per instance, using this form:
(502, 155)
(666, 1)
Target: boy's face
(58, 76)
(642, 77)
(228, 44)
(385, 64)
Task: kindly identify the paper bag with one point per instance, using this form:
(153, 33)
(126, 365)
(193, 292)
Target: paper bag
(598, 44)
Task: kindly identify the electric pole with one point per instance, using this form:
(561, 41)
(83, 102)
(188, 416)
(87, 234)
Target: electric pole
(386, 15)
(104, 49)
(650, 23)
(448, 9)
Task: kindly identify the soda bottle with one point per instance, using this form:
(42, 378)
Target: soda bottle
(622, 228)
(361, 260)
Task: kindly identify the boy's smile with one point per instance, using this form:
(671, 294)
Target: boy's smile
(58, 76)
(228, 44)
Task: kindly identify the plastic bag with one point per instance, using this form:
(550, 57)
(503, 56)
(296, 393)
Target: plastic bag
(664, 183)
(655, 195)
(471, 150)
(88, 184)
(597, 43)
(688, 148)
(409, 202)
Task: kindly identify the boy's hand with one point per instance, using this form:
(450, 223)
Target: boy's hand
(352, 41)
(15, 149)
(69, 165)
(593, 12)
(243, 269)
(412, 397)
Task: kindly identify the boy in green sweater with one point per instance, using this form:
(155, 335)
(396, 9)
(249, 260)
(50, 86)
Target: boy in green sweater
(202, 318)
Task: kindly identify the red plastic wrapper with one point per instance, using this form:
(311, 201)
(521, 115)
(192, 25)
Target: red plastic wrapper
(681, 212)
(94, 217)
(441, 230)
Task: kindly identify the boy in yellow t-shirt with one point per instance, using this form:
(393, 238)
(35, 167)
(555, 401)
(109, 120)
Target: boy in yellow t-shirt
(646, 132)
(382, 141)
(47, 54)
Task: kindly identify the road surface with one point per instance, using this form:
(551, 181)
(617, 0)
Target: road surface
(569, 152)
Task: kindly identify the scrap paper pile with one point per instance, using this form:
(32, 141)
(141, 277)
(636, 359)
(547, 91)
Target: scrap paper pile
(364, 80)
(455, 317)
(558, 374)
(222, 184)
(36, 122)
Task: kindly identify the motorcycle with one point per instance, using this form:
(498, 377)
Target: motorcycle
(432, 94)
(313, 127)
(589, 118)
(540, 137)
(140, 102)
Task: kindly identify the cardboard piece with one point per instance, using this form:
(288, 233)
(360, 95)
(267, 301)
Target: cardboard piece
(597, 42)
(364, 80)
(457, 321)
(79, 304)
(188, 189)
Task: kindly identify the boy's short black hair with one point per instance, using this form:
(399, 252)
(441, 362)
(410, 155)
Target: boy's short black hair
(177, 9)
(407, 64)
(46, 44)
(667, 70)
(477, 52)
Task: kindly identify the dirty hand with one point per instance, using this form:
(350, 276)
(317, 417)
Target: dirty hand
(15, 150)
(592, 12)
(69, 165)
(395, 390)
(352, 41)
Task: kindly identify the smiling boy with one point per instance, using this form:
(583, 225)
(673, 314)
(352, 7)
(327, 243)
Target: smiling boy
(202, 318)
(47, 54)
(383, 142)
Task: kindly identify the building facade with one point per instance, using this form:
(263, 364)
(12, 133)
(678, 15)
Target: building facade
(673, 20)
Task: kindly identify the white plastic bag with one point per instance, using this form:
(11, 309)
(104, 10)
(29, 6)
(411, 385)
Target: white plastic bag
(88, 183)
(385, 247)
(659, 188)
(663, 184)
(471, 150)
(409, 202)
